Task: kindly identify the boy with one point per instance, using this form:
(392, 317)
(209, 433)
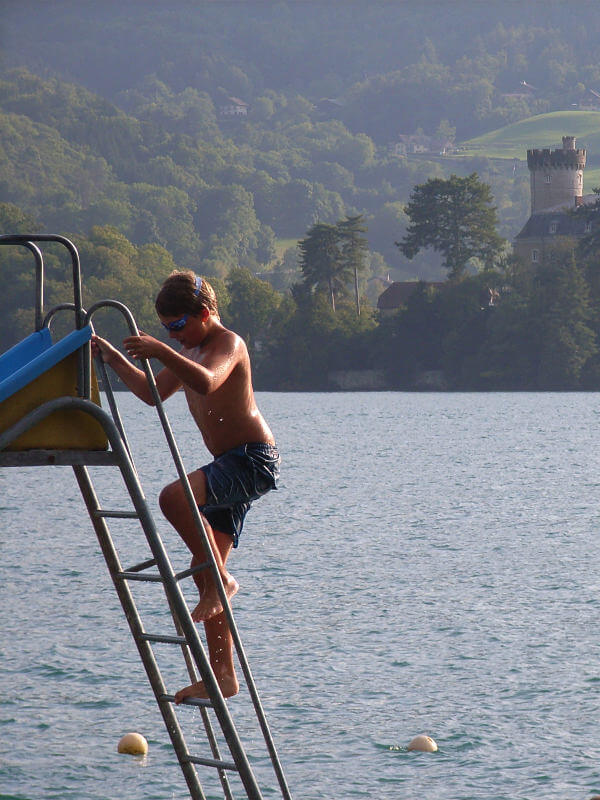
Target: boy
(213, 368)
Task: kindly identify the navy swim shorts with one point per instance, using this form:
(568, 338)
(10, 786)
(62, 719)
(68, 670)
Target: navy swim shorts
(234, 480)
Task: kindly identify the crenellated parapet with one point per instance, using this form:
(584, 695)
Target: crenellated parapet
(556, 159)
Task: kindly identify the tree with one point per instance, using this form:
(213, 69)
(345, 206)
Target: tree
(560, 320)
(589, 245)
(321, 261)
(354, 248)
(251, 308)
(14, 220)
(455, 217)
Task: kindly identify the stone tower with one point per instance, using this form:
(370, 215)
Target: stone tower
(556, 188)
(556, 176)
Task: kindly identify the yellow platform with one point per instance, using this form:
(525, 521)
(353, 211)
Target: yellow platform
(62, 430)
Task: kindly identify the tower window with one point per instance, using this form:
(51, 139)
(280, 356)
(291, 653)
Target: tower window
(535, 255)
(553, 227)
(588, 226)
(548, 178)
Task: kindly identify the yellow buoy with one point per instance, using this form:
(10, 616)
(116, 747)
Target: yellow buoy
(133, 744)
(422, 743)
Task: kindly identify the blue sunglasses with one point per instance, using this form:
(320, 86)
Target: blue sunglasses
(179, 324)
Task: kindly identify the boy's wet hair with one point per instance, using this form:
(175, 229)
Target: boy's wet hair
(179, 295)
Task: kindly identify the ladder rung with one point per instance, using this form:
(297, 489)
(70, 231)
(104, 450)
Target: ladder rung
(105, 512)
(134, 573)
(188, 701)
(157, 637)
(191, 571)
(138, 576)
(142, 565)
(212, 762)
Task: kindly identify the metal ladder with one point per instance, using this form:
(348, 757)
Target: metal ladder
(158, 568)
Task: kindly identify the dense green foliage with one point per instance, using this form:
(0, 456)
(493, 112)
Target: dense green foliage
(217, 136)
(456, 218)
(331, 256)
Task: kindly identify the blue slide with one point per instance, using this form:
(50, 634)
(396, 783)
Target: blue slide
(35, 355)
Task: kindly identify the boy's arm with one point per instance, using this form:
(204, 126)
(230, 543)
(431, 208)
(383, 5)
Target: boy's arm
(135, 379)
(218, 361)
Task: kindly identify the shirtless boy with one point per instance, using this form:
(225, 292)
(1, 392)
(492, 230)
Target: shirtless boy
(213, 368)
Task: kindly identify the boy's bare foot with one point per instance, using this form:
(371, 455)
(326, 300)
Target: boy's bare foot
(228, 684)
(210, 603)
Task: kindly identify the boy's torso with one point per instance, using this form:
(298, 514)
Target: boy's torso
(228, 417)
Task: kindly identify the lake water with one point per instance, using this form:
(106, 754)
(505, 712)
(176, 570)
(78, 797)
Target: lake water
(429, 565)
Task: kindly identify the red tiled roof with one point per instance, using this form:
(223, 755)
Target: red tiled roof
(398, 293)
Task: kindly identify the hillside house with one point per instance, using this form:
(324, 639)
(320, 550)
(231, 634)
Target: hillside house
(329, 106)
(408, 144)
(398, 293)
(524, 91)
(233, 107)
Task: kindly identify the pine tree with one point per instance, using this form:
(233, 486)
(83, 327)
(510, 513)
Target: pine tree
(560, 321)
(322, 263)
(354, 248)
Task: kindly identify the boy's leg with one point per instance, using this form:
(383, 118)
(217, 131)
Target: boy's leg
(218, 637)
(175, 507)
(220, 648)
(210, 602)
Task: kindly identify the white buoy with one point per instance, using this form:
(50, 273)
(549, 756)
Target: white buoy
(133, 744)
(423, 743)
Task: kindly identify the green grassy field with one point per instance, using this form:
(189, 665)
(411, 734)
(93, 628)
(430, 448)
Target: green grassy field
(281, 245)
(591, 180)
(544, 130)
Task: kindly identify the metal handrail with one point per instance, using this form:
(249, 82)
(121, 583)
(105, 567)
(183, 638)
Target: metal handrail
(39, 276)
(28, 240)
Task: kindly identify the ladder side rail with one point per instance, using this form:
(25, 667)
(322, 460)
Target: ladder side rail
(135, 624)
(261, 716)
(164, 566)
(102, 371)
(112, 403)
(193, 673)
(190, 631)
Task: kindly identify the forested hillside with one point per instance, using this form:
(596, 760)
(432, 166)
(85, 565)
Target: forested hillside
(214, 135)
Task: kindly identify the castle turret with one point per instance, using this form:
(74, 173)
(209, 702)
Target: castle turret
(556, 176)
